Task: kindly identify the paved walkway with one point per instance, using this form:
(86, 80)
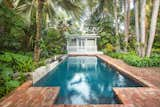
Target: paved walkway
(139, 97)
(26, 96)
(148, 96)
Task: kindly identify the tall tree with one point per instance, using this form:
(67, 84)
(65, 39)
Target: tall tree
(116, 24)
(136, 12)
(38, 30)
(156, 4)
(127, 22)
(142, 26)
(8, 3)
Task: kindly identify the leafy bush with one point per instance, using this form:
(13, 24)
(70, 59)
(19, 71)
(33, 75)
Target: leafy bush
(134, 60)
(116, 55)
(109, 48)
(11, 29)
(12, 69)
(106, 38)
(7, 80)
(53, 43)
(18, 62)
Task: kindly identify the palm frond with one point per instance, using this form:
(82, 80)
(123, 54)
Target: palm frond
(70, 7)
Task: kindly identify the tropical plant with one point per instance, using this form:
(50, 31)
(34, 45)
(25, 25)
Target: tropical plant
(36, 7)
(132, 59)
(18, 62)
(53, 43)
(156, 4)
(11, 29)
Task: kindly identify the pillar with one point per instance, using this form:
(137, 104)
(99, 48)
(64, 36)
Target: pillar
(77, 40)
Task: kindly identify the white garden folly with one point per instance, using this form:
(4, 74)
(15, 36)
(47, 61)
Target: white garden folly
(82, 44)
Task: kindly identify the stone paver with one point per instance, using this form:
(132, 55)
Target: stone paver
(31, 97)
(139, 97)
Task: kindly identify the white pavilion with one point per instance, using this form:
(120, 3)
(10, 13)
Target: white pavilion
(82, 44)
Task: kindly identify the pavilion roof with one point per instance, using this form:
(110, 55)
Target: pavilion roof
(82, 36)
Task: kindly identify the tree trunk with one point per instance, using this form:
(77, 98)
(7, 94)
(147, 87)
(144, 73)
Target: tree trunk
(136, 12)
(142, 26)
(116, 25)
(38, 32)
(127, 22)
(153, 26)
(8, 3)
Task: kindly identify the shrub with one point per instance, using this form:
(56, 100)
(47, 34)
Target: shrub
(52, 43)
(7, 82)
(12, 69)
(12, 26)
(18, 62)
(109, 48)
(116, 55)
(134, 60)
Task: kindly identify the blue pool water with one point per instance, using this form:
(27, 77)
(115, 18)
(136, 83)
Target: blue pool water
(85, 80)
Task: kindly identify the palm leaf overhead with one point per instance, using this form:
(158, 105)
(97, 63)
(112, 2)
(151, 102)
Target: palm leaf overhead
(27, 7)
(70, 6)
(49, 8)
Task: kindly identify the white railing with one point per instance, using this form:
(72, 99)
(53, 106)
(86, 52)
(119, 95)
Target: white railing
(84, 49)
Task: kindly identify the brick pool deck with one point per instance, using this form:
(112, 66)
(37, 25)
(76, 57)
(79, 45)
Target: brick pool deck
(147, 96)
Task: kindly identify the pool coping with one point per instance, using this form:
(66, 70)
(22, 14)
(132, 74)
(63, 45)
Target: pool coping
(120, 96)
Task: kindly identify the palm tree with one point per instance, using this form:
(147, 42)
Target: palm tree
(38, 30)
(30, 7)
(116, 24)
(136, 12)
(142, 26)
(127, 22)
(156, 4)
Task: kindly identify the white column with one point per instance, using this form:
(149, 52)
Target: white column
(85, 45)
(95, 44)
(77, 40)
(68, 46)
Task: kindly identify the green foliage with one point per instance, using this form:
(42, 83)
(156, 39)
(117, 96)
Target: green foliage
(134, 60)
(12, 69)
(106, 38)
(18, 62)
(15, 34)
(116, 55)
(40, 63)
(53, 43)
(7, 82)
(11, 29)
(11, 85)
(109, 48)
(156, 44)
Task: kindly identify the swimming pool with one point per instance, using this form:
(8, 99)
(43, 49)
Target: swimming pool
(85, 80)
